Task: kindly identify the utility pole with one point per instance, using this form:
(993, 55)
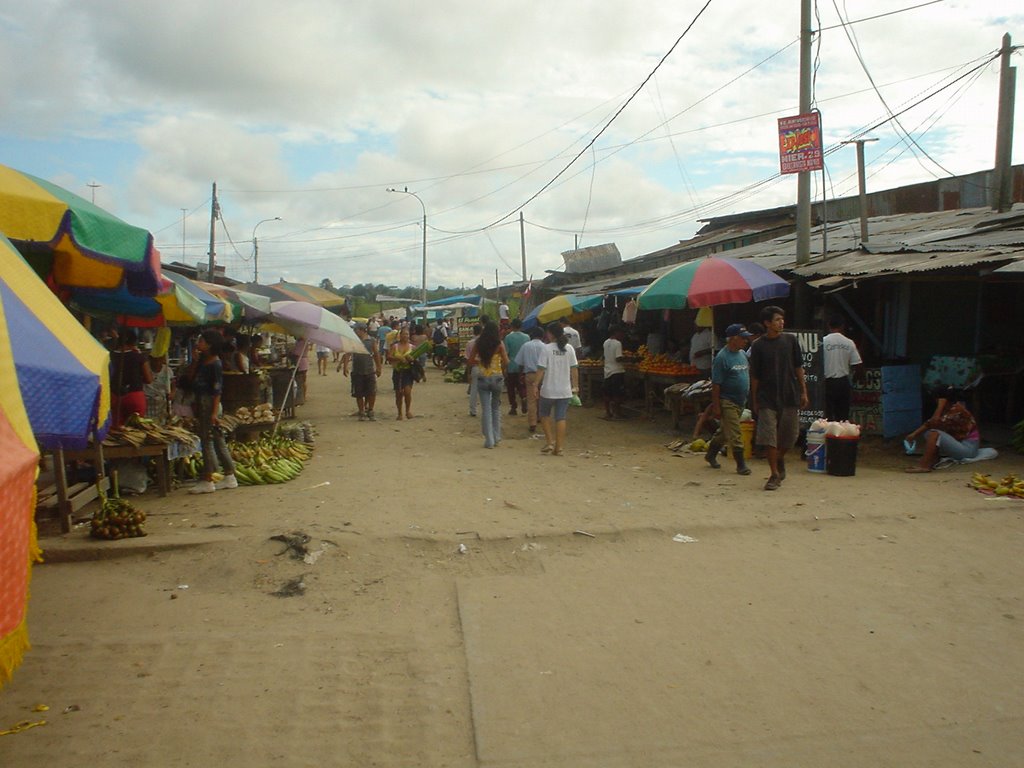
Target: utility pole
(522, 243)
(183, 212)
(214, 213)
(1001, 194)
(93, 186)
(862, 187)
(803, 181)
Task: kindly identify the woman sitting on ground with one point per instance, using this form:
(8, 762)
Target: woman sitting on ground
(951, 432)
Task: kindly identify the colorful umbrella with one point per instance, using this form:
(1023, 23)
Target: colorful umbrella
(73, 242)
(562, 306)
(316, 325)
(314, 294)
(713, 281)
(17, 504)
(63, 372)
(181, 301)
(251, 306)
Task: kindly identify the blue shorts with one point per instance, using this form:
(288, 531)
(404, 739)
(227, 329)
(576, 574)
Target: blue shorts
(560, 406)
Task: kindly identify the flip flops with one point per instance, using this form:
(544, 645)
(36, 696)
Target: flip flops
(547, 448)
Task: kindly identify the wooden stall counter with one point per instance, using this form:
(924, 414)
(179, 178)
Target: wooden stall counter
(67, 505)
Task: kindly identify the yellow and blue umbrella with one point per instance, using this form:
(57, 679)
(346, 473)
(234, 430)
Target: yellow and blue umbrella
(73, 243)
(181, 301)
(62, 371)
(562, 306)
(17, 506)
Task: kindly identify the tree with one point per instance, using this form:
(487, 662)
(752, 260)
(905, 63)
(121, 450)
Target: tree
(327, 285)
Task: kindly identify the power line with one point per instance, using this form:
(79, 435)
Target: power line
(611, 120)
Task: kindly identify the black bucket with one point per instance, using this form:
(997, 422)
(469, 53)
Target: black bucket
(841, 455)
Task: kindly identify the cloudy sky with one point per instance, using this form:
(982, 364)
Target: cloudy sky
(311, 109)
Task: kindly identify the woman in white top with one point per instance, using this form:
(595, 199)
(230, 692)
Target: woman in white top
(558, 381)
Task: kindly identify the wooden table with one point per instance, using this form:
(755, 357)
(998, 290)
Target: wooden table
(656, 383)
(98, 455)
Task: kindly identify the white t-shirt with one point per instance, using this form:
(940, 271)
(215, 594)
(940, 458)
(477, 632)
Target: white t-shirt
(503, 311)
(840, 354)
(574, 337)
(612, 353)
(701, 342)
(557, 364)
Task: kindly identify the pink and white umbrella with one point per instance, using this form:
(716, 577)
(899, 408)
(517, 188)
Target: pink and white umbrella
(316, 325)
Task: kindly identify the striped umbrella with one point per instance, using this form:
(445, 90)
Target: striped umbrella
(72, 242)
(62, 371)
(713, 281)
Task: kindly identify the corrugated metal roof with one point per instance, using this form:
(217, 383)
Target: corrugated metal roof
(898, 244)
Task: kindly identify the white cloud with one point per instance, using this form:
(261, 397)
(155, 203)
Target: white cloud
(308, 110)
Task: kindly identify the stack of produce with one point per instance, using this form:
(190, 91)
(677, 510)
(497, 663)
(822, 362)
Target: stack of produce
(268, 460)
(117, 519)
(1010, 485)
(663, 365)
(260, 414)
(142, 431)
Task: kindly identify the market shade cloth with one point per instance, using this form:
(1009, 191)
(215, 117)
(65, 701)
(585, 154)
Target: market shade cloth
(316, 325)
(285, 291)
(313, 294)
(73, 242)
(63, 372)
(713, 281)
(562, 306)
(181, 301)
(252, 306)
(17, 501)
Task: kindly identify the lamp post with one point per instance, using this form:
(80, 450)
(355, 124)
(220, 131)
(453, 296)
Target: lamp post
(423, 283)
(256, 249)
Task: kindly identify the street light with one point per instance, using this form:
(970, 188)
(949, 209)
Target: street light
(256, 249)
(423, 284)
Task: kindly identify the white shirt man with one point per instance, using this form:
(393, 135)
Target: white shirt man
(841, 356)
(573, 335)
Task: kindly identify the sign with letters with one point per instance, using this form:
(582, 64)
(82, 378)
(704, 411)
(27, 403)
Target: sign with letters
(811, 349)
(800, 143)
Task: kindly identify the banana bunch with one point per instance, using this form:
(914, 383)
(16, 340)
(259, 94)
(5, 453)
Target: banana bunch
(268, 460)
(188, 466)
(117, 519)
(1010, 485)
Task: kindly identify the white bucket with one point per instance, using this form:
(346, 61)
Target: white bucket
(815, 452)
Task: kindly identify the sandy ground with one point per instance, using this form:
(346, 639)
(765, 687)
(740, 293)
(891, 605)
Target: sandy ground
(871, 620)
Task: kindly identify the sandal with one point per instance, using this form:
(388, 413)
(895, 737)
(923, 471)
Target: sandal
(917, 470)
(556, 452)
(547, 448)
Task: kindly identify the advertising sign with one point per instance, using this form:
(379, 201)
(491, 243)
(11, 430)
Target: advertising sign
(800, 143)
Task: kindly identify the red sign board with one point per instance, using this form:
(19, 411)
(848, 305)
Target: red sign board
(800, 143)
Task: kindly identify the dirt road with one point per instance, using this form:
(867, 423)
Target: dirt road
(872, 620)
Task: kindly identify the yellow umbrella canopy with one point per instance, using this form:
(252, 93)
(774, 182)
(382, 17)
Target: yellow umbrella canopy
(62, 371)
(72, 242)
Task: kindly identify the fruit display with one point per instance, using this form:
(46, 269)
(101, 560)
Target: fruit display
(268, 460)
(1010, 485)
(664, 365)
(139, 431)
(117, 519)
(259, 414)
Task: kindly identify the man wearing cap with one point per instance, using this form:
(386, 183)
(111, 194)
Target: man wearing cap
(366, 370)
(730, 383)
